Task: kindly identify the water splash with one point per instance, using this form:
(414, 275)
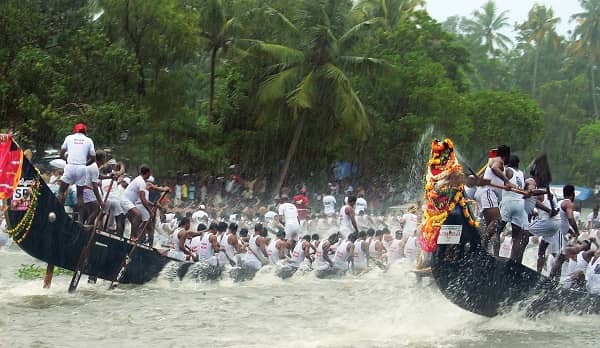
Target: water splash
(416, 168)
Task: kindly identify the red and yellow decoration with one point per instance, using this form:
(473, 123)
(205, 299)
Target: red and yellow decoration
(443, 191)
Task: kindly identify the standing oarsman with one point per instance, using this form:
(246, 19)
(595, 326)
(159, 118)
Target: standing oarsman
(567, 224)
(545, 226)
(488, 197)
(136, 190)
(348, 221)
(78, 150)
(512, 210)
(92, 199)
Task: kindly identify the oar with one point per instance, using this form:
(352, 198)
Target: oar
(85, 253)
(119, 276)
(503, 187)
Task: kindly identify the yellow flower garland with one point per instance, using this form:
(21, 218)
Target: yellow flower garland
(21, 230)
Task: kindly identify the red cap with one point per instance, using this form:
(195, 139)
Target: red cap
(80, 128)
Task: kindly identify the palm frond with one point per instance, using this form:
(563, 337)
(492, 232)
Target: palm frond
(283, 54)
(302, 96)
(345, 39)
(271, 11)
(275, 87)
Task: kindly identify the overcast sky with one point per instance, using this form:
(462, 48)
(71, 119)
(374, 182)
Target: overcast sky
(518, 9)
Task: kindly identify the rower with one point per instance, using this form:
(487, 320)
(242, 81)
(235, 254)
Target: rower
(179, 250)
(92, 199)
(396, 250)
(256, 255)
(348, 222)
(322, 259)
(278, 248)
(411, 249)
(567, 223)
(360, 256)
(376, 249)
(207, 246)
(301, 252)
(136, 191)
(343, 259)
(230, 246)
(545, 226)
(488, 197)
(512, 210)
(78, 150)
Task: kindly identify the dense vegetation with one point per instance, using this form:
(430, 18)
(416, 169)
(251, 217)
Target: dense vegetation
(272, 85)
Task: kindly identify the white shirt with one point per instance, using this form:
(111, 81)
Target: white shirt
(289, 213)
(410, 224)
(91, 176)
(361, 205)
(132, 192)
(329, 204)
(594, 221)
(270, 215)
(78, 147)
(199, 215)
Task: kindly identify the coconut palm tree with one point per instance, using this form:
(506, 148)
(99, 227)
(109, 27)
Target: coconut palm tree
(587, 40)
(310, 78)
(390, 11)
(485, 26)
(539, 29)
(218, 32)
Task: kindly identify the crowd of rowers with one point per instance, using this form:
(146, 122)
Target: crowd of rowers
(568, 255)
(280, 242)
(101, 185)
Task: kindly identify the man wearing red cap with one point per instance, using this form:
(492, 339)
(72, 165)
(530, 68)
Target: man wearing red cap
(78, 150)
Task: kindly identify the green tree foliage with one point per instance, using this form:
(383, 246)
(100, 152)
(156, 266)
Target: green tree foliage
(284, 88)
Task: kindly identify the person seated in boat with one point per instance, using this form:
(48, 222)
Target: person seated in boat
(206, 245)
(376, 249)
(78, 151)
(343, 260)
(179, 250)
(360, 253)
(396, 249)
(488, 196)
(592, 274)
(136, 190)
(92, 199)
(323, 261)
(256, 255)
(302, 252)
(230, 246)
(578, 258)
(200, 215)
(314, 242)
(278, 248)
(411, 249)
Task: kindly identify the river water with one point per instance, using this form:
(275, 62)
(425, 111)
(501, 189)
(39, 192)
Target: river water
(374, 310)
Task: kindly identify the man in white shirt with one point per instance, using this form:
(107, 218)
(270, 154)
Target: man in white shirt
(409, 222)
(593, 219)
(329, 204)
(78, 150)
(288, 217)
(136, 190)
(92, 199)
(361, 203)
(199, 216)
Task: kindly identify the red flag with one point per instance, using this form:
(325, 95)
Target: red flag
(11, 163)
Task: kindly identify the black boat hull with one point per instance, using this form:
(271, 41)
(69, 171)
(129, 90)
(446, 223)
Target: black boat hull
(60, 242)
(478, 282)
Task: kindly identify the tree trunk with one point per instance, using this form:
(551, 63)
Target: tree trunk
(594, 101)
(211, 97)
(535, 72)
(290, 154)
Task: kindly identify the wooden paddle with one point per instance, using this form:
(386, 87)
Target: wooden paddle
(486, 182)
(128, 257)
(85, 253)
